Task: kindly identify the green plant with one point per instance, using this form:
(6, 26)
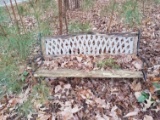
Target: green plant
(21, 44)
(40, 92)
(131, 12)
(74, 27)
(24, 75)
(9, 83)
(113, 6)
(143, 97)
(13, 47)
(87, 4)
(3, 15)
(26, 108)
(157, 1)
(108, 63)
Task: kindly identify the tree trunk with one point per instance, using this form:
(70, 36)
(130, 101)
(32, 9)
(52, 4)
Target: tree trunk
(60, 16)
(72, 4)
(66, 3)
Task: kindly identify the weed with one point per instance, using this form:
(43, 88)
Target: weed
(87, 4)
(26, 108)
(131, 12)
(21, 44)
(9, 77)
(3, 15)
(108, 9)
(40, 92)
(108, 63)
(157, 1)
(78, 27)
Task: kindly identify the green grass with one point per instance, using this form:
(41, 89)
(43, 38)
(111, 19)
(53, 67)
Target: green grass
(21, 44)
(15, 47)
(40, 92)
(131, 12)
(110, 62)
(87, 4)
(75, 27)
(25, 109)
(107, 9)
(9, 76)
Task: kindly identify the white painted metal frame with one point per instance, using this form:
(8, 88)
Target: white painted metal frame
(91, 44)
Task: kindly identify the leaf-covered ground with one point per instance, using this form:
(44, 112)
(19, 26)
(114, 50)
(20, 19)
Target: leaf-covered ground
(95, 99)
(91, 62)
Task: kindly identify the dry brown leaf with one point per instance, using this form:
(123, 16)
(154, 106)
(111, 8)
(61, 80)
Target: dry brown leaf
(67, 86)
(13, 101)
(23, 96)
(147, 117)
(137, 64)
(134, 113)
(67, 111)
(136, 86)
(4, 117)
(79, 59)
(43, 116)
(86, 94)
(104, 117)
(58, 88)
(113, 113)
(101, 103)
(88, 63)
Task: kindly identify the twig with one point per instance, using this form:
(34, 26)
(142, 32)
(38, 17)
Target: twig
(143, 7)
(8, 10)
(3, 31)
(65, 18)
(20, 15)
(14, 14)
(111, 19)
(33, 78)
(35, 14)
(6, 99)
(66, 3)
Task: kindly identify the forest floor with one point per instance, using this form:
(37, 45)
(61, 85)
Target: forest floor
(94, 98)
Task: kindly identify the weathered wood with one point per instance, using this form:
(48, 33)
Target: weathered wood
(88, 74)
(135, 40)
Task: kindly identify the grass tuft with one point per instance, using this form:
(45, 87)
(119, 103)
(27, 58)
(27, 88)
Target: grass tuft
(75, 27)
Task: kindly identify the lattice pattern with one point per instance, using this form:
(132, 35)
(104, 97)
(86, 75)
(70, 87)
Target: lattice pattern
(90, 45)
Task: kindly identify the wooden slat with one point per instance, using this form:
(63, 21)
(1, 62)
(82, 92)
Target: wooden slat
(91, 74)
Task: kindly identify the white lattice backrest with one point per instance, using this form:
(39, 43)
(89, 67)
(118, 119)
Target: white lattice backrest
(91, 44)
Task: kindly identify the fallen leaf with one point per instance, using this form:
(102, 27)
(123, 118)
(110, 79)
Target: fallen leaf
(113, 113)
(43, 116)
(67, 111)
(104, 117)
(58, 88)
(101, 103)
(67, 86)
(79, 59)
(136, 86)
(23, 96)
(147, 117)
(134, 113)
(137, 64)
(76, 109)
(13, 101)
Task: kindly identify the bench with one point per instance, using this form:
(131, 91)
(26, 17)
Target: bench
(90, 44)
